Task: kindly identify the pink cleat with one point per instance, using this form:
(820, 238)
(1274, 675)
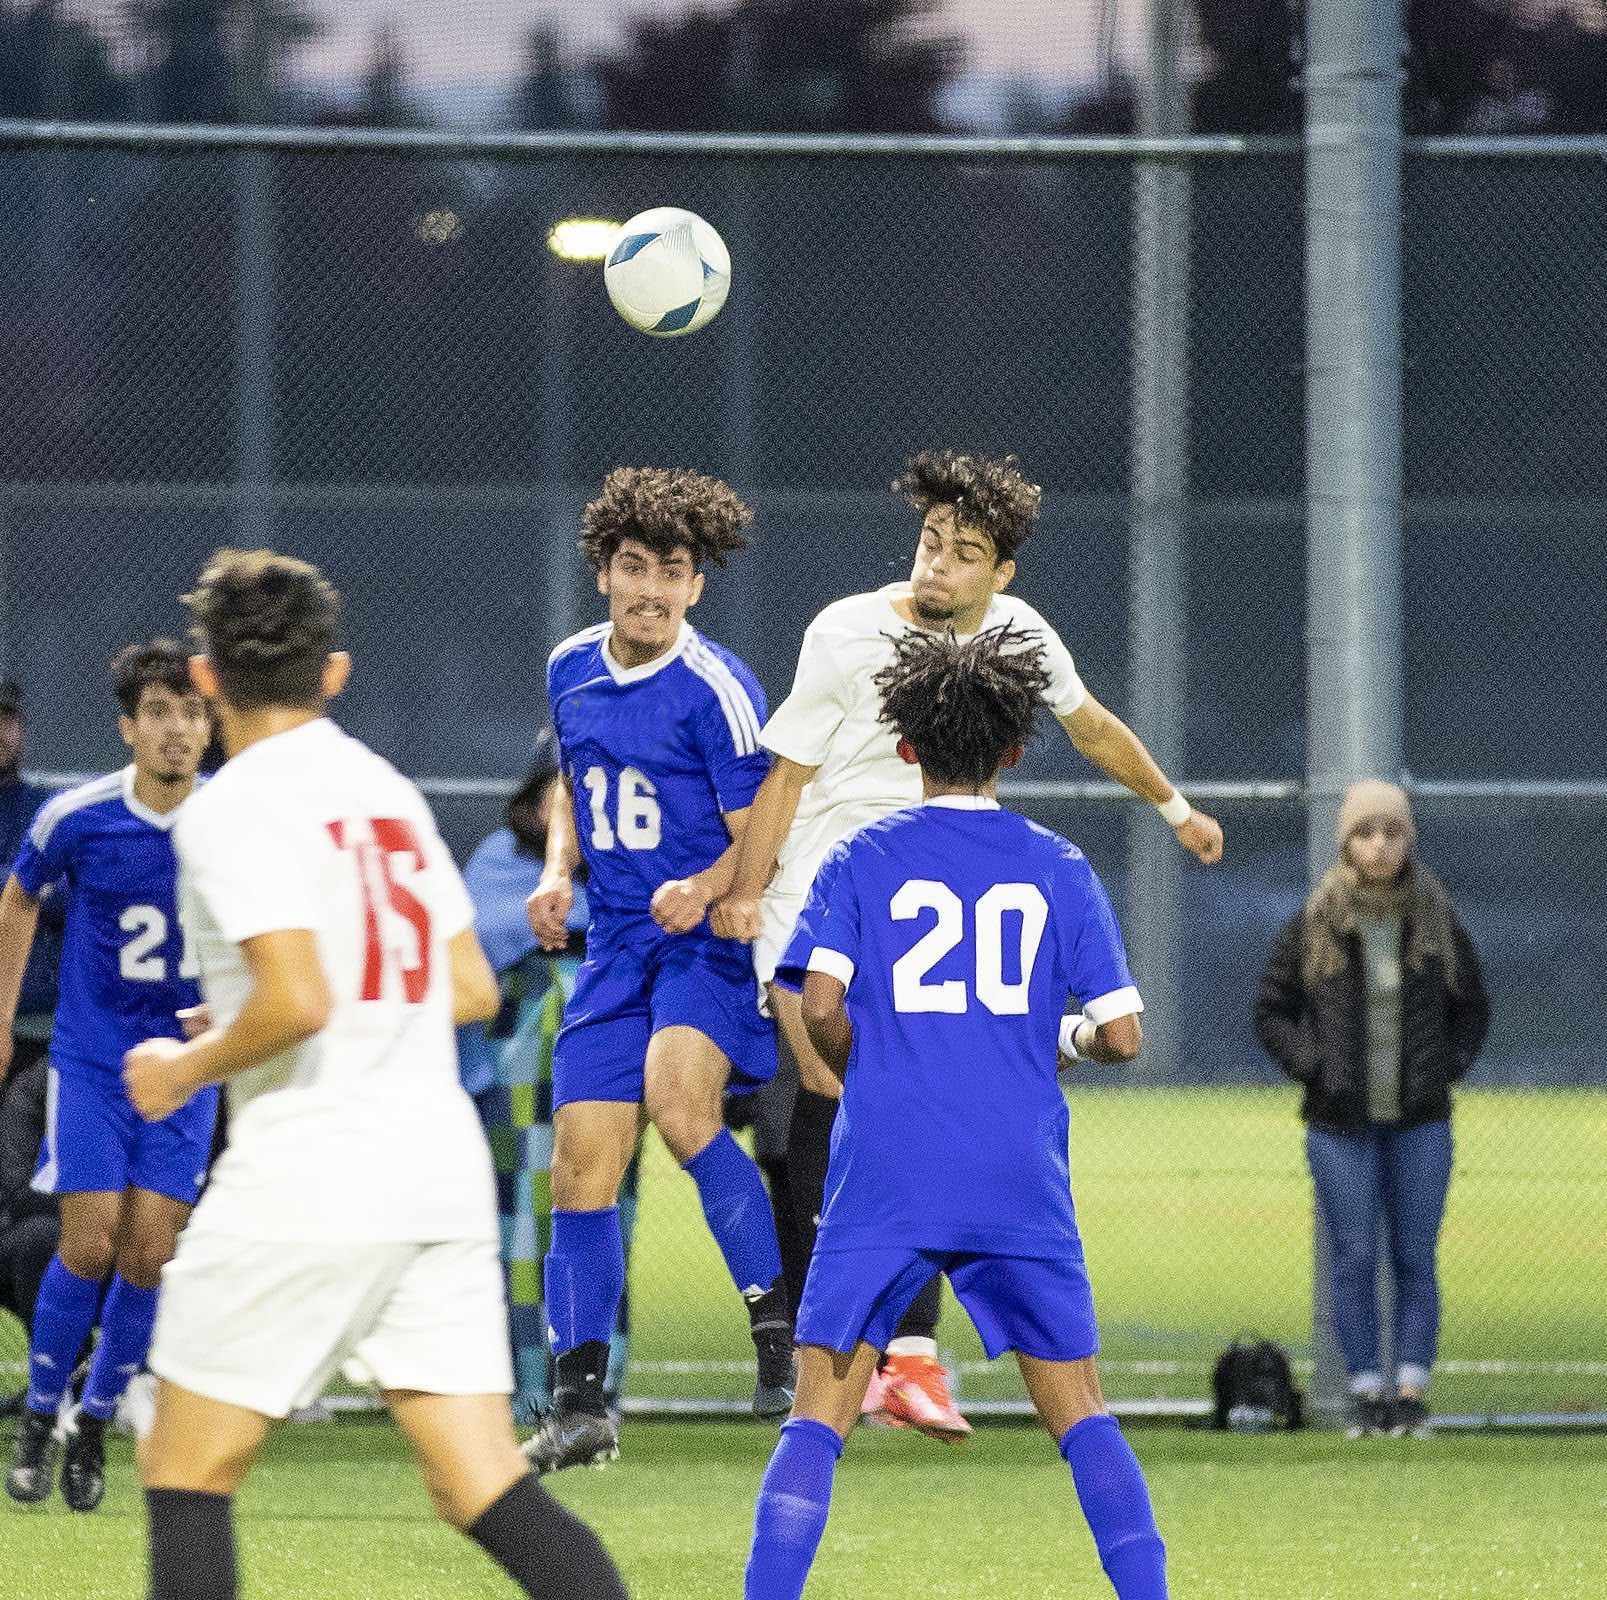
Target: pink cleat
(872, 1407)
(916, 1394)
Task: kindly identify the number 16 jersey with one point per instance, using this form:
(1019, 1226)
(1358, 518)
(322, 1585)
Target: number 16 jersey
(655, 756)
(361, 1134)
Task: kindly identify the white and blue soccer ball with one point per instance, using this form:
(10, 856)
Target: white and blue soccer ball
(668, 273)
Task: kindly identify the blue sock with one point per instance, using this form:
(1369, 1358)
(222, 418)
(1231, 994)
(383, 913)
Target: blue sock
(791, 1513)
(584, 1277)
(1115, 1500)
(125, 1337)
(737, 1208)
(63, 1314)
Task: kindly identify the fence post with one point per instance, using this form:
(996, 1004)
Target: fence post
(1353, 450)
(1158, 538)
(254, 271)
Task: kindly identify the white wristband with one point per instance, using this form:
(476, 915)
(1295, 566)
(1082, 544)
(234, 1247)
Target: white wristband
(1176, 811)
(1076, 1036)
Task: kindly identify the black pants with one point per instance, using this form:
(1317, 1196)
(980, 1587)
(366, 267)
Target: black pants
(808, 1153)
(26, 1247)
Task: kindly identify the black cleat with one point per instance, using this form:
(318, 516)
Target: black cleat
(778, 1378)
(571, 1439)
(33, 1458)
(83, 1466)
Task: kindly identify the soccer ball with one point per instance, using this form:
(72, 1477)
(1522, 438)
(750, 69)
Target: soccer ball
(668, 273)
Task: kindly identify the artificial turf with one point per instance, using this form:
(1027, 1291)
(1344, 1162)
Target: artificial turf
(335, 1512)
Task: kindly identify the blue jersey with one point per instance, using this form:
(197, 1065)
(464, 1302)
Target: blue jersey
(960, 931)
(654, 756)
(124, 972)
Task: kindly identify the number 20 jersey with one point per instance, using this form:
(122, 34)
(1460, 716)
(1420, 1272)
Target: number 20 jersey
(124, 968)
(959, 930)
(360, 1134)
(655, 755)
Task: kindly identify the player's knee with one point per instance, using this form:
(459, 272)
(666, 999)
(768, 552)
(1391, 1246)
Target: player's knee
(685, 1129)
(140, 1261)
(88, 1252)
(585, 1173)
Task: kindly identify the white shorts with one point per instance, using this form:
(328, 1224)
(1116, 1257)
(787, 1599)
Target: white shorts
(266, 1325)
(778, 915)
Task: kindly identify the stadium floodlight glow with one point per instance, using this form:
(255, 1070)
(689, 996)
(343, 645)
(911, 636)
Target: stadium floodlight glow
(582, 238)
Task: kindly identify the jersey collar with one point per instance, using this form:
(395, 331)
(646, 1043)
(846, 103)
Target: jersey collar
(648, 668)
(963, 802)
(157, 819)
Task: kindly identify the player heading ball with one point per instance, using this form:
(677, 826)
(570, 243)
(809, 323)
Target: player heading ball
(935, 953)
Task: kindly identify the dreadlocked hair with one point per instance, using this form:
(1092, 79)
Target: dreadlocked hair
(994, 496)
(964, 704)
(667, 509)
(267, 622)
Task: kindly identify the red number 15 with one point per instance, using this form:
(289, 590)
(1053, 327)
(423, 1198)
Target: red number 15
(390, 837)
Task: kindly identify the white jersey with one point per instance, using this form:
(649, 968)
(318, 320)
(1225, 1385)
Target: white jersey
(361, 1134)
(832, 721)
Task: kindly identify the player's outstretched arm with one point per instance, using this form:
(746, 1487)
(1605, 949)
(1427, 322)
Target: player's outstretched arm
(289, 1001)
(475, 996)
(1101, 737)
(549, 906)
(682, 903)
(825, 1015)
(19, 920)
(735, 914)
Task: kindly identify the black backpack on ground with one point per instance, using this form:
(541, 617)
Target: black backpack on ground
(1254, 1388)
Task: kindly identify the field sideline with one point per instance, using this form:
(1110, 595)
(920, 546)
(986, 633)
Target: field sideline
(335, 1513)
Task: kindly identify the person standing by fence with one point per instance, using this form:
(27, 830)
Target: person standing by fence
(1373, 1001)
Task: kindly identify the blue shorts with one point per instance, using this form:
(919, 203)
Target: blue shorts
(637, 980)
(1042, 1308)
(95, 1141)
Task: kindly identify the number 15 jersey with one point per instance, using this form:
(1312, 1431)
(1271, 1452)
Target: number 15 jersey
(655, 756)
(362, 1133)
(959, 930)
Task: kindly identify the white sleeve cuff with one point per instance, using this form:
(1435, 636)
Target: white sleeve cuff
(1068, 1036)
(833, 963)
(1118, 1003)
(1176, 811)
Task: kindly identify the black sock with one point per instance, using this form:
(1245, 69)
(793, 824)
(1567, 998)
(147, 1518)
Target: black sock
(581, 1372)
(920, 1321)
(808, 1153)
(544, 1548)
(192, 1545)
(771, 1312)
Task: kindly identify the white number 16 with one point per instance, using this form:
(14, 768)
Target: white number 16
(640, 822)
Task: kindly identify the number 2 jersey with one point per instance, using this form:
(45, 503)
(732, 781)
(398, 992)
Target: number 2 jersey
(124, 970)
(959, 929)
(655, 756)
(362, 1133)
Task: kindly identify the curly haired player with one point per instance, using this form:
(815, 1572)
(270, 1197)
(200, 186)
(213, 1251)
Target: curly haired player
(658, 735)
(836, 768)
(935, 953)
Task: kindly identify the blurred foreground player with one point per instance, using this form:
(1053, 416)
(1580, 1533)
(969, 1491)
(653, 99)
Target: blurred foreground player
(935, 952)
(353, 1212)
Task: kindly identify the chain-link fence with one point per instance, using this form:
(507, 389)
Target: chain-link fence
(368, 356)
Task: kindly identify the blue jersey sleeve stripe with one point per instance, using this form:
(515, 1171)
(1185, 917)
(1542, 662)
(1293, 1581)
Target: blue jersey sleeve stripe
(1118, 1003)
(740, 715)
(53, 811)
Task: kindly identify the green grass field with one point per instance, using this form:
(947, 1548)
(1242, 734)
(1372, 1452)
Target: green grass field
(1195, 1207)
(335, 1513)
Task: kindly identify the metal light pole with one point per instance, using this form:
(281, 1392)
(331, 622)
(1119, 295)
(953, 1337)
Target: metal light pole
(1353, 449)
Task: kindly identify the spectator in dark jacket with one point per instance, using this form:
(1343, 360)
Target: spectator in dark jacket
(30, 1224)
(1373, 1002)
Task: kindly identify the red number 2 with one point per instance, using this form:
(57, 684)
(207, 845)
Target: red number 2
(390, 837)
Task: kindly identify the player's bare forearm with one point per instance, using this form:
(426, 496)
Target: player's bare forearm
(549, 906)
(825, 1017)
(1111, 1044)
(475, 995)
(563, 843)
(769, 820)
(19, 920)
(288, 1002)
(1104, 740)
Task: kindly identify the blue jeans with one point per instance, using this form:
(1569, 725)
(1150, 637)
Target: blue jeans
(1397, 1176)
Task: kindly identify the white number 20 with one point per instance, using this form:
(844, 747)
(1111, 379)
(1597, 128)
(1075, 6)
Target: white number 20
(637, 814)
(137, 961)
(910, 991)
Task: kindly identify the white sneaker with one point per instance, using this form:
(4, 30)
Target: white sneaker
(136, 1411)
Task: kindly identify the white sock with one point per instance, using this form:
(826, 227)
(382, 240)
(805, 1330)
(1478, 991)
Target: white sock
(1370, 1384)
(910, 1345)
(1409, 1375)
